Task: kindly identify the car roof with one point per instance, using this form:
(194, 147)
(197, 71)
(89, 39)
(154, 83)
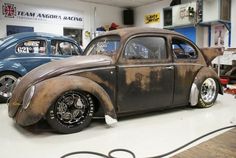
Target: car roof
(15, 37)
(138, 30)
(41, 34)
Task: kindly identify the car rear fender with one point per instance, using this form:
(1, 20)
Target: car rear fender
(48, 91)
(204, 73)
(12, 66)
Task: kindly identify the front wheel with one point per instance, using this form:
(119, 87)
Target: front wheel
(72, 112)
(7, 82)
(208, 93)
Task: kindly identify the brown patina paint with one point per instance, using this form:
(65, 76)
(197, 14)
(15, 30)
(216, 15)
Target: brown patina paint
(121, 86)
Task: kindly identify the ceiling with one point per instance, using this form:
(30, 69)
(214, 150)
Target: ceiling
(122, 3)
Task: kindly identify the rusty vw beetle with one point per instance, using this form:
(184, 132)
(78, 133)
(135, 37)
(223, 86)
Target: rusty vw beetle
(125, 71)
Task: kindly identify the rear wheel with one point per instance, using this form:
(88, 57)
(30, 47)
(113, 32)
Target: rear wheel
(7, 82)
(208, 93)
(72, 112)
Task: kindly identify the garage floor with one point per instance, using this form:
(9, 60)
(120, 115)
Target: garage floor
(224, 146)
(146, 135)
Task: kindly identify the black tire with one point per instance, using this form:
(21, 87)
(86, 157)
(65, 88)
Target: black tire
(7, 81)
(71, 112)
(208, 92)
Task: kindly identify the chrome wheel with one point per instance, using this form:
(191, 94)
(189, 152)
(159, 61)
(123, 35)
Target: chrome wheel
(6, 85)
(72, 108)
(208, 90)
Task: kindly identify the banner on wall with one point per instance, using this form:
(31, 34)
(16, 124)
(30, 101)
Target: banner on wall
(17, 11)
(152, 18)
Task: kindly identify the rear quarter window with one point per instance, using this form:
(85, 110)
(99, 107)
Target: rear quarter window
(183, 50)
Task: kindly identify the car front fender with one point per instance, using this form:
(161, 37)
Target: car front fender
(204, 73)
(46, 93)
(12, 66)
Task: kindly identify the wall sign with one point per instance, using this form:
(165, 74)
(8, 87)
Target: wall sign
(183, 14)
(152, 18)
(17, 11)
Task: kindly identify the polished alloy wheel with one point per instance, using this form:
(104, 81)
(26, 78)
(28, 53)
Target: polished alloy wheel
(71, 108)
(208, 90)
(6, 85)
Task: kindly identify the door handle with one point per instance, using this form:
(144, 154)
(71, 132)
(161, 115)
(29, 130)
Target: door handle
(169, 67)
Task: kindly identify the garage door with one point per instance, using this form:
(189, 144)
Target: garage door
(189, 32)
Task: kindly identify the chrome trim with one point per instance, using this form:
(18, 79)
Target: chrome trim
(169, 68)
(144, 65)
(183, 64)
(89, 69)
(160, 64)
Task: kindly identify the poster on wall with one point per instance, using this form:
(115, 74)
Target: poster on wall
(219, 35)
(152, 18)
(21, 12)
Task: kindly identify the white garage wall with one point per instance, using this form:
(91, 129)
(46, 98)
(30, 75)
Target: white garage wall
(150, 9)
(233, 24)
(202, 32)
(104, 15)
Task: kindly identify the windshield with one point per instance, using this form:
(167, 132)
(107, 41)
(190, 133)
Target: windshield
(105, 45)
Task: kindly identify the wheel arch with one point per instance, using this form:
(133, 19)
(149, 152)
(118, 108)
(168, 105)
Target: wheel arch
(9, 66)
(202, 74)
(10, 72)
(47, 92)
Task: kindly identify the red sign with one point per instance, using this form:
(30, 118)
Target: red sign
(9, 10)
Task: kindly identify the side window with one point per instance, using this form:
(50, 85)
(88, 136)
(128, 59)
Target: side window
(64, 48)
(32, 46)
(183, 50)
(146, 48)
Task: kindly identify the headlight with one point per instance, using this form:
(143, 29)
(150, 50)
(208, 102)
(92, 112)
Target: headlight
(28, 96)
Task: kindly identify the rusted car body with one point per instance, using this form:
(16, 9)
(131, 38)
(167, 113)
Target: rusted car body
(126, 71)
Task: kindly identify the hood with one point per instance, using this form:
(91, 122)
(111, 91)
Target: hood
(211, 53)
(56, 68)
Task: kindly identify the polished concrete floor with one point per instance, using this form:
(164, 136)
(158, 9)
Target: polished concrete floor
(146, 135)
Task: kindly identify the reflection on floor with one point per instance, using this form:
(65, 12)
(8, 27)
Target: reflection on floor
(146, 135)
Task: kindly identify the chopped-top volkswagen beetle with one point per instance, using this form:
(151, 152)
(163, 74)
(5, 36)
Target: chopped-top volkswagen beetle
(125, 71)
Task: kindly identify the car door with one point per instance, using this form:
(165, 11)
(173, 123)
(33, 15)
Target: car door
(145, 75)
(31, 52)
(62, 49)
(187, 64)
